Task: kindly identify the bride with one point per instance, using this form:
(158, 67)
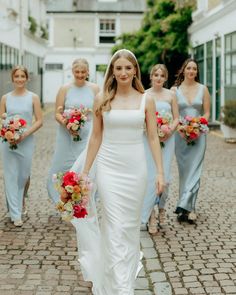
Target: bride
(110, 254)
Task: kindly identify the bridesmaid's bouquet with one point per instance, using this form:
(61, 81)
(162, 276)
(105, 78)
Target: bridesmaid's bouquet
(74, 189)
(11, 128)
(75, 119)
(190, 128)
(163, 119)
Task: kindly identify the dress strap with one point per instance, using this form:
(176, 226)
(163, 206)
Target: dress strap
(143, 102)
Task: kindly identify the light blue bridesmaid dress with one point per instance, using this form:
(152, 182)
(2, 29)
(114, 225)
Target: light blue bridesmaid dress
(17, 163)
(66, 149)
(189, 157)
(151, 198)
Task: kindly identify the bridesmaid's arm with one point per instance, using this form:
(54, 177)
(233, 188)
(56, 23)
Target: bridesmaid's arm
(175, 113)
(95, 138)
(206, 104)
(154, 142)
(59, 107)
(38, 122)
(3, 105)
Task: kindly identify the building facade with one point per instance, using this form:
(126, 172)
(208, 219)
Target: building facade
(213, 42)
(23, 40)
(85, 29)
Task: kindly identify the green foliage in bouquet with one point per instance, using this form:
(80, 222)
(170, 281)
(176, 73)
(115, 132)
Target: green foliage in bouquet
(229, 113)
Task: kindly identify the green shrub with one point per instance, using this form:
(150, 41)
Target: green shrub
(44, 32)
(33, 24)
(229, 113)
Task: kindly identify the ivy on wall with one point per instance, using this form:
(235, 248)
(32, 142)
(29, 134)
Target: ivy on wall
(162, 38)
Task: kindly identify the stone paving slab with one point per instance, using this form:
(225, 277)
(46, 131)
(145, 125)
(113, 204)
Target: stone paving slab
(41, 257)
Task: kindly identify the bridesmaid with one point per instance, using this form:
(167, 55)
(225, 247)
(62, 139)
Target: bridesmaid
(73, 95)
(17, 163)
(165, 101)
(193, 100)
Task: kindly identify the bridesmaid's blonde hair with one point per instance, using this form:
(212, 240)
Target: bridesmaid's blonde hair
(161, 67)
(80, 62)
(110, 84)
(21, 68)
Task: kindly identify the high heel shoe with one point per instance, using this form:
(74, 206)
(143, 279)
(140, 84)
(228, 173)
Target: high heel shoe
(162, 215)
(182, 217)
(152, 224)
(192, 217)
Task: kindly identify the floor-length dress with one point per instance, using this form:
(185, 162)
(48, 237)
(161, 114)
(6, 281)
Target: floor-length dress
(151, 197)
(121, 174)
(189, 157)
(17, 163)
(66, 149)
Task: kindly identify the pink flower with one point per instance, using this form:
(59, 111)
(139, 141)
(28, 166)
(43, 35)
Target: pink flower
(188, 118)
(166, 129)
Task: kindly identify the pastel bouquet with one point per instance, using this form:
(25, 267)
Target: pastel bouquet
(190, 128)
(75, 120)
(74, 189)
(163, 119)
(11, 129)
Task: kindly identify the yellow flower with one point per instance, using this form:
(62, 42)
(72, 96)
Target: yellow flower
(60, 206)
(76, 197)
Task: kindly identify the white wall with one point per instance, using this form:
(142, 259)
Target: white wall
(212, 26)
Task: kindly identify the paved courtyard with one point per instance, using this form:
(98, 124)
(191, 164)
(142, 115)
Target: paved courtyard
(41, 257)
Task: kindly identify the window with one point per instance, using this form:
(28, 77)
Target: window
(230, 65)
(230, 59)
(107, 31)
(199, 56)
(8, 57)
(54, 67)
(209, 65)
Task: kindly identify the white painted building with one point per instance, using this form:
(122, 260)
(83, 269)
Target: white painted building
(213, 39)
(22, 42)
(87, 29)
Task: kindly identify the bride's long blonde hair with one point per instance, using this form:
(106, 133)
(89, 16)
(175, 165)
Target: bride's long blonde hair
(110, 84)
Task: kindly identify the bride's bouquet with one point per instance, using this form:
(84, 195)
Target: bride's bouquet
(74, 189)
(190, 128)
(12, 128)
(75, 119)
(163, 119)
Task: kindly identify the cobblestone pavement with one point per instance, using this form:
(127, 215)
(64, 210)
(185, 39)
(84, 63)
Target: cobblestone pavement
(41, 257)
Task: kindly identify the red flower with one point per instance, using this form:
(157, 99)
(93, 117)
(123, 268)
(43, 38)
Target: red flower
(159, 121)
(69, 179)
(203, 121)
(79, 212)
(75, 118)
(22, 122)
(193, 135)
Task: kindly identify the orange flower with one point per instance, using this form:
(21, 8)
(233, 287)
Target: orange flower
(76, 189)
(9, 135)
(189, 129)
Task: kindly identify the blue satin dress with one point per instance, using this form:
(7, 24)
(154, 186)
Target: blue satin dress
(66, 149)
(151, 198)
(189, 158)
(17, 163)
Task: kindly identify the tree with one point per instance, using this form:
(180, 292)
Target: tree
(162, 38)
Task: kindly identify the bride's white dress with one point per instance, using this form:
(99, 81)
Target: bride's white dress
(111, 258)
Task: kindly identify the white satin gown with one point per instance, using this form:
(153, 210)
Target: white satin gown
(121, 177)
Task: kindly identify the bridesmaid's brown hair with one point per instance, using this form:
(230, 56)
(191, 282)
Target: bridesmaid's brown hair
(21, 68)
(180, 75)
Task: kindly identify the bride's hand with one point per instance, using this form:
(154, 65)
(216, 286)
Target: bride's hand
(160, 184)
